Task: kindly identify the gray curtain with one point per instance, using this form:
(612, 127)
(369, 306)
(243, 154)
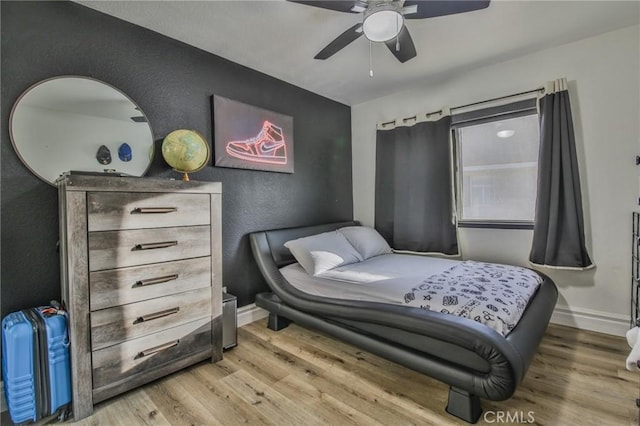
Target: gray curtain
(558, 232)
(413, 205)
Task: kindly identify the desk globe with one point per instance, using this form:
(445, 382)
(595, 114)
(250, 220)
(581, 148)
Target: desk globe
(187, 151)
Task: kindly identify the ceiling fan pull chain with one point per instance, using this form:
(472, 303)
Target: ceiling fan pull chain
(370, 60)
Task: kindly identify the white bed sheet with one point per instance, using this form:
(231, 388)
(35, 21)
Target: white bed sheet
(382, 278)
(491, 294)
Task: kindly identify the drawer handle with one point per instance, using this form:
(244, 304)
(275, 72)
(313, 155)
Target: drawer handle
(157, 349)
(153, 210)
(157, 280)
(151, 246)
(156, 315)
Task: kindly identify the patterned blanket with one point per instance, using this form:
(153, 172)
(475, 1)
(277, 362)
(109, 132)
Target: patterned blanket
(491, 294)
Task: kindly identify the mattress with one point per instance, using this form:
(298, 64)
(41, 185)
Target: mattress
(378, 279)
(491, 294)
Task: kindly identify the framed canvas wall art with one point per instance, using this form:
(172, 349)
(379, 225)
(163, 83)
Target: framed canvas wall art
(249, 137)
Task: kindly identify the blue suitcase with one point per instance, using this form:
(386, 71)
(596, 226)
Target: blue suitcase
(35, 364)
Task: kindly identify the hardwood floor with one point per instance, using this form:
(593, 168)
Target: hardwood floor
(302, 377)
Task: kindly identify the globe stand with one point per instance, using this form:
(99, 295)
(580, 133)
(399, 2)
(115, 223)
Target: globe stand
(185, 177)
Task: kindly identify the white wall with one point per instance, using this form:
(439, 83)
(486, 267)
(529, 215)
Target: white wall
(604, 85)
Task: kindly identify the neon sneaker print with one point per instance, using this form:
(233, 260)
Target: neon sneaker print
(267, 147)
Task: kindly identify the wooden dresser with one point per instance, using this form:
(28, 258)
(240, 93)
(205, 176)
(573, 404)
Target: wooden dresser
(141, 275)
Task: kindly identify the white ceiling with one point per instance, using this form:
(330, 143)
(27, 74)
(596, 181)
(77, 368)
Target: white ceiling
(280, 38)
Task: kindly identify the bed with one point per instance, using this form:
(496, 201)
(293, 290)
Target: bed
(476, 360)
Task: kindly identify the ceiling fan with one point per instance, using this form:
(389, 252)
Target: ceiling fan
(383, 21)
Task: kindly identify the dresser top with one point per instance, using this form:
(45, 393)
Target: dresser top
(91, 182)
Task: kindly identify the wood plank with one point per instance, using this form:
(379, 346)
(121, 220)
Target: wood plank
(178, 405)
(138, 408)
(218, 398)
(80, 182)
(328, 409)
(335, 354)
(299, 376)
(108, 211)
(146, 376)
(75, 293)
(219, 370)
(265, 361)
(289, 375)
(119, 286)
(268, 402)
(147, 353)
(126, 322)
(118, 249)
(366, 393)
(216, 277)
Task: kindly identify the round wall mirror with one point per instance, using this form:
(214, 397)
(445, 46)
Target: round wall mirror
(81, 124)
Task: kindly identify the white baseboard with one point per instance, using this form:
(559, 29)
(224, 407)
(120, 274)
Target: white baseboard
(250, 313)
(587, 319)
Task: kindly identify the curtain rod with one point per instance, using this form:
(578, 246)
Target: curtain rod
(413, 117)
(404, 120)
(538, 89)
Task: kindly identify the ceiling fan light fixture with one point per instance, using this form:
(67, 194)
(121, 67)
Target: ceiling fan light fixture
(382, 23)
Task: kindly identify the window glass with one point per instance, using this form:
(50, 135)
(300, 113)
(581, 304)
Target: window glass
(498, 165)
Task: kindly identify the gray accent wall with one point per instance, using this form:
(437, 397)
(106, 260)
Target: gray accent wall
(172, 83)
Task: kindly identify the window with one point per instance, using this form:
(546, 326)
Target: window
(497, 153)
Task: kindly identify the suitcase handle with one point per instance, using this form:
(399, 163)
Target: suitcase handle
(156, 315)
(151, 246)
(157, 349)
(153, 210)
(156, 280)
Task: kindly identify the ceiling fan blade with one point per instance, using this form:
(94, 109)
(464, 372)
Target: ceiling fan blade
(340, 42)
(337, 5)
(407, 48)
(431, 9)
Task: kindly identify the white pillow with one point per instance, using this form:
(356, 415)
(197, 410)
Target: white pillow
(367, 241)
(322, 252)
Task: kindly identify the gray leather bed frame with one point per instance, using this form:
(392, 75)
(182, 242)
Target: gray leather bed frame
(475, 360)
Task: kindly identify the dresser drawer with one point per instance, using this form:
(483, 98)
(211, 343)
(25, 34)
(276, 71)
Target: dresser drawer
(118, 324)
(116, 249)
(115, 287)
(118, 362)
(108, 211)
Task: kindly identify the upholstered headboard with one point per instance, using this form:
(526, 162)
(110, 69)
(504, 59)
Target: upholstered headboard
(277, 237)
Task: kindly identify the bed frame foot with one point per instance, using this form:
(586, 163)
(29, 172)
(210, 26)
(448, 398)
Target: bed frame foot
(464, 405)
(277, 323)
